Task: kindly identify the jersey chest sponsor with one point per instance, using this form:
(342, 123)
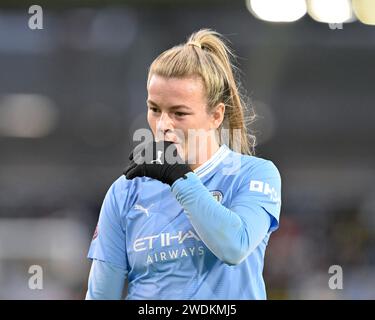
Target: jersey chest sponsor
(163, 239)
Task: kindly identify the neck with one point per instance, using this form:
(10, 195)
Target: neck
(205, 155)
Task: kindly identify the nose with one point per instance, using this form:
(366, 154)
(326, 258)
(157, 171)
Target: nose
(163, 126)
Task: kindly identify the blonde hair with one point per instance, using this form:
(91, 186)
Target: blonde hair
(206, 54)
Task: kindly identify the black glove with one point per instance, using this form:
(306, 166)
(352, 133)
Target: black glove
(157, 160)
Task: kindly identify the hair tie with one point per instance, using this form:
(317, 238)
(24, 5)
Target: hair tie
(194, 43)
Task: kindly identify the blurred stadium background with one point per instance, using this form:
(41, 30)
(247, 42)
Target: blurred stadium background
(72, 94)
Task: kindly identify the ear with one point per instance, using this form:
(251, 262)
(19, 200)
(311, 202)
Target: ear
(217, 115)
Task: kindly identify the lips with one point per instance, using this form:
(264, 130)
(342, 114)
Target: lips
(169, 138)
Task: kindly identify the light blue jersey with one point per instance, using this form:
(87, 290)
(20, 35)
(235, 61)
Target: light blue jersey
(203, 238)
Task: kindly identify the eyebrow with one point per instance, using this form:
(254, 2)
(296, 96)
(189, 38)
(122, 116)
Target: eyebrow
(179, 106)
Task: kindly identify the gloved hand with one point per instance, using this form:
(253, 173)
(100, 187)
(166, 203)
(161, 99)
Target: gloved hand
(157, 160)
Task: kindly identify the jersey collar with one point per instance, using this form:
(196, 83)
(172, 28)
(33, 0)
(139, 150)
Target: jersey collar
(212, 162)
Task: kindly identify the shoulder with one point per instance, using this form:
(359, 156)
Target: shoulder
(260, 165)
(121, 184)
(253, 165)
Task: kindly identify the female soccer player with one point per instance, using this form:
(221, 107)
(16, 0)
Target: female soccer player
(198, 227)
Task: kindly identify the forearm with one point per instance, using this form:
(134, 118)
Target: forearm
(230, 235)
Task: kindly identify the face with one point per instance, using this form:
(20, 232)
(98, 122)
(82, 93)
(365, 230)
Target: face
(177, 108)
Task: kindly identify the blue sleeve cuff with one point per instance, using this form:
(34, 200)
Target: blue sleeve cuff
(181, 185)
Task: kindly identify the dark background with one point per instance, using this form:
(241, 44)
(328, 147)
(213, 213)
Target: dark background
(72, 94)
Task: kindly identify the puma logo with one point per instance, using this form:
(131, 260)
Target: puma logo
(158, 160)
(143, 209)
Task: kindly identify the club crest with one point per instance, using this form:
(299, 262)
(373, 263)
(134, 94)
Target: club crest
(217, 195)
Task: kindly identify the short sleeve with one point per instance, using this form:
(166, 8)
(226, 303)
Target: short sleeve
(109, 241)
(259, 191)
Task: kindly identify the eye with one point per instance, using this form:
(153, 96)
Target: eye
(180, 114)
(154, 110)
